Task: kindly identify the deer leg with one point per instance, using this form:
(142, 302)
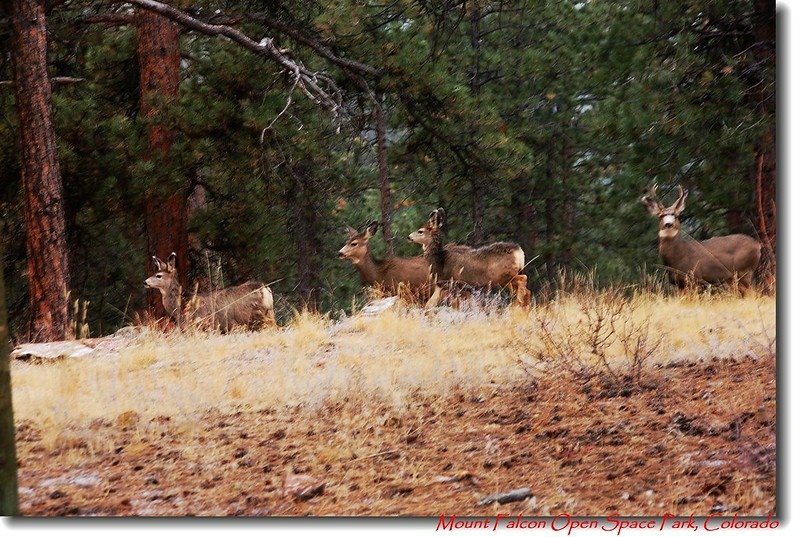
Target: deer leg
(520, 292)
(744, 283)
(434, 300)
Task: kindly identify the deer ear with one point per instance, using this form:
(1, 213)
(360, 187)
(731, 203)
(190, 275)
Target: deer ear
(679, 205)
(158, 264)
(170, 262)
(350, 231)
(440, 216)
(371, 229)
(432, 220)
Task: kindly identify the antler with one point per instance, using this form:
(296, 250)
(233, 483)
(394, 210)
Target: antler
(679, 204)
(651, 201)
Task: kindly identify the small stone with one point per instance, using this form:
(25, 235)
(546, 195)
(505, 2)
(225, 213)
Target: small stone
(303, 487)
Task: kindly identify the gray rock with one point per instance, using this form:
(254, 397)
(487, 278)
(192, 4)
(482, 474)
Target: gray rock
(515, 495)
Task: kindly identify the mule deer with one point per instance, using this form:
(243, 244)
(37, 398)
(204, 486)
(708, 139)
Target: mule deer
(499, 263)
(728, 259)
(390, 272)
(250, 304)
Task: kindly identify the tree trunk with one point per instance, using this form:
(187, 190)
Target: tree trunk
(304, 228)
(474, 41)
(764, 28)
(205, 265)
(9, 505)
(382, 169)
(46, 244)
(478, 211)
(478, 196)
(158, 54)
(567, 218)
(549, 214)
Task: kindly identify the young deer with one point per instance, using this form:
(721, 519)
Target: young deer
(499, 263)
(390, 272)
(250, 304)
(728, 259)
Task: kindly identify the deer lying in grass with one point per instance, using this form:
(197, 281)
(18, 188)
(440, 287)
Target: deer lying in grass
(389, 273)
(728, 259)
(250, 304)
(498, 264)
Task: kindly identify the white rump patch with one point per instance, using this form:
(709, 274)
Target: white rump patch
(518, 256)
(267, 298)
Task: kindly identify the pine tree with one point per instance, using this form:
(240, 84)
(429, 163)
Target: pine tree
(46, 247)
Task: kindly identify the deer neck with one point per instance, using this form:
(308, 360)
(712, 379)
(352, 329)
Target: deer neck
(435, 254)
(171, 299)
(672, 249)
(369, 268)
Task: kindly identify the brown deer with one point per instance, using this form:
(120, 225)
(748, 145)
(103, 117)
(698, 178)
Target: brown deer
(498, 264)
(728, 259)
(389, 272)
(250, 304)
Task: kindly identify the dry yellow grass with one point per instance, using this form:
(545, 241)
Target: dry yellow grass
(390, 358)
(413, 412)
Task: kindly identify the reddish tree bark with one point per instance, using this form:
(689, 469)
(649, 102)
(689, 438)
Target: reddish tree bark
(158, 52)
(765, 34)
(46, 245)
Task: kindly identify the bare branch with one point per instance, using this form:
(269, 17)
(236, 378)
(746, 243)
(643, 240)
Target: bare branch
(54, 80)
(307, 82)
(315, 45)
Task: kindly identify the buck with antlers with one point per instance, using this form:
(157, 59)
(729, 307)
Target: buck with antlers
(728, 259)
(250, 304)
(390, 272)
(498, 264)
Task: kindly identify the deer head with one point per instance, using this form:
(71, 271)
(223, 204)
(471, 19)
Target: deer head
(668, 218)
(425, 235)
(166, 275)
(357, 246)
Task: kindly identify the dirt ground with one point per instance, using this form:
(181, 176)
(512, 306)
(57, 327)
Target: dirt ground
(699, 438)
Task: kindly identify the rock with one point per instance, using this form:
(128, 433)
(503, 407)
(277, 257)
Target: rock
(376, 307)
(303, 487)
(719, 508)
(55, 350)
(515, 495)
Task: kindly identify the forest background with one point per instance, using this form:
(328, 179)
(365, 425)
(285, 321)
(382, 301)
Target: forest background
(537, 122)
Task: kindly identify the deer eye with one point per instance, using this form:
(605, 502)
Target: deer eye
(159, 276)
(353, 243)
